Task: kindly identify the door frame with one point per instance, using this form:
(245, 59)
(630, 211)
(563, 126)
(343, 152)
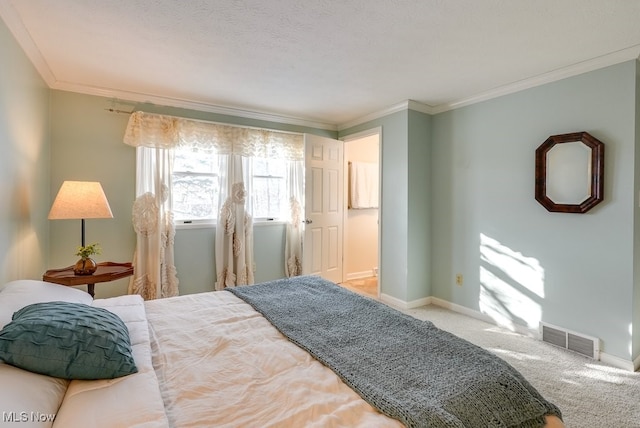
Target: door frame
(345, 230)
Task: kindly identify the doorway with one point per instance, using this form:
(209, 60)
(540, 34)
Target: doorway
(361, 251)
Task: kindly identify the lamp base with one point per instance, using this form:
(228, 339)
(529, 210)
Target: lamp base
(85, 267)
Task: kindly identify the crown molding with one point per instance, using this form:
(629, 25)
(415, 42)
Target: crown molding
(375, 115)
(627, 54)
(192, 105)
(401, 106)
(420, 107)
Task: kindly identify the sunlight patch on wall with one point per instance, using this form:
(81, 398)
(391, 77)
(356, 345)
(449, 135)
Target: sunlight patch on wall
(511, 285)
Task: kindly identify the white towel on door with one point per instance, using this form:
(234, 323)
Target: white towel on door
(364, 185)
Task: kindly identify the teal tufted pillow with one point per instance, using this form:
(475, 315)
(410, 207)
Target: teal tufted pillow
(68, 340)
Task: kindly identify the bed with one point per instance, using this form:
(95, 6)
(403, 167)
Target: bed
(299, 352)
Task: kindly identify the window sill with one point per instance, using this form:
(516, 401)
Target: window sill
(195, 225)
(212, 225)
(261, 223)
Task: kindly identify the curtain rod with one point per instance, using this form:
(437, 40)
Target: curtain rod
(113, 110)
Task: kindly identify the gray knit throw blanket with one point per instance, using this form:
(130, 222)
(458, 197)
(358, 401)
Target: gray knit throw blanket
(406, 368)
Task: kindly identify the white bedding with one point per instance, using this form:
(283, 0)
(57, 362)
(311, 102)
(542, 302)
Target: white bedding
(220, 363)
(203, 360)
(129, 401)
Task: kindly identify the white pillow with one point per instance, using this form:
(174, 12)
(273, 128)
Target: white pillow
(29, 399)
(17, 294)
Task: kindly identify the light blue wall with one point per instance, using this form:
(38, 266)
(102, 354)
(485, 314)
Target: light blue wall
(24, 164)
(195, 255)
(419, 207)
(404, 217)
(483, 186)
(86, 145)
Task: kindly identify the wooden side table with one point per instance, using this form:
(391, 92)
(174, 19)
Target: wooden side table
(107, 271)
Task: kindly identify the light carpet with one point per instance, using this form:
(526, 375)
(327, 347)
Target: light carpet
(589, 393)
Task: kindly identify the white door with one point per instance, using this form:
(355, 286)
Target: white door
(324, 206)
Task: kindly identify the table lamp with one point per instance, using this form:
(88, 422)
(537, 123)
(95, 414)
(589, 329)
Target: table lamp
(80, 200)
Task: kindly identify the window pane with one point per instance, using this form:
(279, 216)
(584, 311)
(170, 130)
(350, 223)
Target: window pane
(260, 166)
(194, 196)
(277, 168)
(267, 197)
(268, 167)
(193, 159)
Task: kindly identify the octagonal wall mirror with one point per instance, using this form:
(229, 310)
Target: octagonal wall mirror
(570, 173)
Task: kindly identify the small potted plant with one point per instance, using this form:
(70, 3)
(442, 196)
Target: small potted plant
(86, 265)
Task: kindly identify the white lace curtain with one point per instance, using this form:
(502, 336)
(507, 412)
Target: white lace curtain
(154, 268)
(234, 234)
(295, 232)
(159, 131)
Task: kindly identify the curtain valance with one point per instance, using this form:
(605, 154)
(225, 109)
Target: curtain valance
(159, 131)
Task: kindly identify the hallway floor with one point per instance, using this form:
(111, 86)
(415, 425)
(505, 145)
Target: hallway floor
(365, 286)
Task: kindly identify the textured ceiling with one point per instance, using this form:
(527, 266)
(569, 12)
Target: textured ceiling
(327, 61)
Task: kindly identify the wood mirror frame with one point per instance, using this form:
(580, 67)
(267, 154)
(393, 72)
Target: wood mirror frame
(595, 168)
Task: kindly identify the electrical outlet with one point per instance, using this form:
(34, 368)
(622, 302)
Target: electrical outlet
(459, 279)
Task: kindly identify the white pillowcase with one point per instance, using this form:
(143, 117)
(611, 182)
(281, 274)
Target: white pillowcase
(17, 294)
(31, 399)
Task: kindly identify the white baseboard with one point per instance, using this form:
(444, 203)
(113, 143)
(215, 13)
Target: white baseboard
(621, 363)
(393, 301)
(360, 275)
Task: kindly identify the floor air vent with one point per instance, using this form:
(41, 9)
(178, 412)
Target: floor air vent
(585, 345)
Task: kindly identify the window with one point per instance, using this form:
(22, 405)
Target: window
(269, 190)
(196, 186)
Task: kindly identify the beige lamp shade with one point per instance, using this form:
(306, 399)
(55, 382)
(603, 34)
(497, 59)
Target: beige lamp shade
(80, 200)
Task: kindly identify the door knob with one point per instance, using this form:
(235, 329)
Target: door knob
(307, 221)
